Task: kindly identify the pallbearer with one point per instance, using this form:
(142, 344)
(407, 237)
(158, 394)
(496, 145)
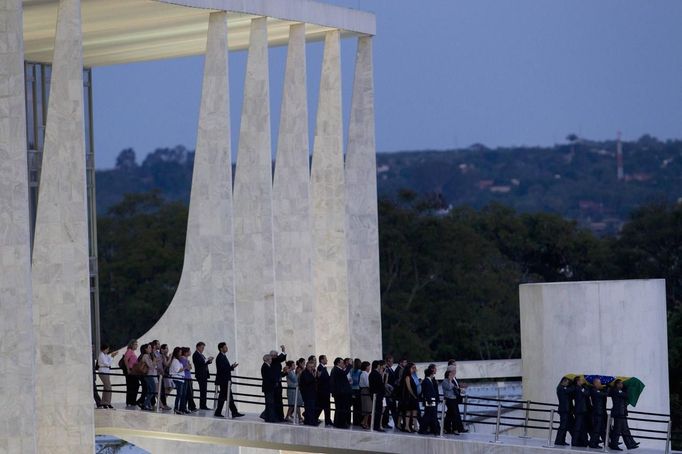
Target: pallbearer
(564, 393)
(598, 397)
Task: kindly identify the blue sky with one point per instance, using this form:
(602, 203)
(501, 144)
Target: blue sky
(448, 73)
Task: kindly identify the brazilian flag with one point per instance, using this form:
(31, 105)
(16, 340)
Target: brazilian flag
(633, 385)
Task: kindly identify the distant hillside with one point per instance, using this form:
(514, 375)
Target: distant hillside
(577, 180)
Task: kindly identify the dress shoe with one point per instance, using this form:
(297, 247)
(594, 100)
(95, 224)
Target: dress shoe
(219, 416)
(204, 408)
(560, 444)
(237, 415)
(379, 430)
(615, 448)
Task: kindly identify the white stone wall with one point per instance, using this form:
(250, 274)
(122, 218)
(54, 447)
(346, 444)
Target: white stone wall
(60, 275)
(253, 247)
(327, 187)
(601, 327)
(291, 208)
(17, 353)
(364, 293)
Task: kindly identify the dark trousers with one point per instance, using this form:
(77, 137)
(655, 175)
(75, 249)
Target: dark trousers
(621, 429)
(580, 430)
(357, 408)
(563, 428)
(310, 414)
(222, 397)
(392, 410)
(598, 430)
(203, 391)
(189, 389)
(378, 408)
(132, 383)
(453, 419)
(323, 405)
(429, 421)
(269, 414)
(279, 403)
(341, 410)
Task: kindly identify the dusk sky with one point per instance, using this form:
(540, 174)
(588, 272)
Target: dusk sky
(448, 73)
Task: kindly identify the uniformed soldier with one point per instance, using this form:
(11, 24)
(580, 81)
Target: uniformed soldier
(619, 413)
(598, 397)
(581, 396)
(564, 392)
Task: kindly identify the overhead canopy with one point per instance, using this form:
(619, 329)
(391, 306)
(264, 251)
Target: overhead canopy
(124, 31)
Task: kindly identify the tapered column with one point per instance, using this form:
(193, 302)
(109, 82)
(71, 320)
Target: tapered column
(203, 306)
(364, 293)
(60, 257)
(291, 207)
(17, 354)
(253, 248)
(328, 197)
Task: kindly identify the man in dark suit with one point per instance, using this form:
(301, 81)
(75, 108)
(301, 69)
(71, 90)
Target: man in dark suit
(619, 415)
(307, 383)
(389, 379)
(581, 397)
(223, 379)
(276, 369)
(268, 389)
(564, 393)
(201, 373)
(323, 390)
(377, 391)
(341, 390)
(598, 398)
(431, 397)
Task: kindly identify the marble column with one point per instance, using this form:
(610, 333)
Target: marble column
(203, 306)
(364, 293)
(291, 207)
(60, 277)
(327, 190)
(17, 420)
(253, 247)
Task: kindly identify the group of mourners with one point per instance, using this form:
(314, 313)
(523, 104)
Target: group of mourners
(582, 413)
(365, 394)
(368, 395)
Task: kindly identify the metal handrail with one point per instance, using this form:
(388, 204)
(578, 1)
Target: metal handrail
(500, 419)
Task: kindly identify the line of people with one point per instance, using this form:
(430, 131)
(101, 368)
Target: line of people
(359, 387)
(394, 391)
(582, 412)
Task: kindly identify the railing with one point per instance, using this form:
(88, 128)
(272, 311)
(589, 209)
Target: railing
(535, 415)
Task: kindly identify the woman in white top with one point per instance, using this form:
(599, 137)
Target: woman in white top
(104, 362)
(365, 398)
(177, 373)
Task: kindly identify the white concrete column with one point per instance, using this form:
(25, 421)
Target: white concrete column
(599, 327)
(364, 293)
(203, 306)
(60, 277)
(327, 189)
(17, 354)
(291, 207)
(253, 248)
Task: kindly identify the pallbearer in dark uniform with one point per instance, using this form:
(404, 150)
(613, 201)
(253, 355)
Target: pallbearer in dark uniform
(307, 383)
(619, 413)
(582, 398)
(564, 393)
(430, 396)
(598, 395)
